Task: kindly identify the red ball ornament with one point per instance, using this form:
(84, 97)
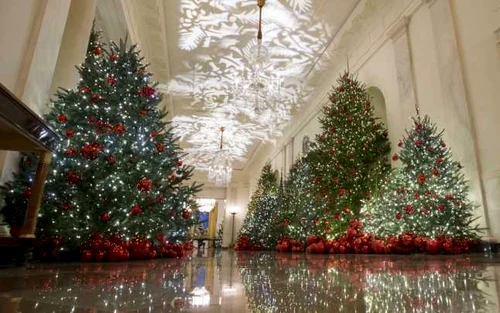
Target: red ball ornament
(186, 214)
(111, 159)
(113, 57)
(179, 163)
(439, 161)
(119, 129)
(433, 246)
(91, 151)
(97, 50)
(421, 179)
(160, 199)
(435, 172)
(85, 255)
(351, 232)
(395, 157)
(95, 97)
(146, 92)
(111, 80)
(136, 210)
(385, 133)
(66, 206)
(144, 185)
(70, 151)
(160, 147)
(400, 143)
(409, 209)
(84, 89)
(419, 142)
(153, 134)
(69, 133)
(419, 127)
(105, 217)
(143, 113)
(61, 118)
(72, 178)
(27, 192)
(399, 216)
(440, 207)
(341, 192)
(340, 88)
(99, 255)
(443, 144)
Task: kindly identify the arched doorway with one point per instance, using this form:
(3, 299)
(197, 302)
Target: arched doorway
(378, 101)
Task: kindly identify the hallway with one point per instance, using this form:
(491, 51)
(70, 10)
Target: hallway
(226, 281)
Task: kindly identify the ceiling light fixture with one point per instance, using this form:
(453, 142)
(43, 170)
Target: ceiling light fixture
(220, 171)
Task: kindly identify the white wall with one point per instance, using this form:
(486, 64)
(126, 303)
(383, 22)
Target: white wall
(440, 55)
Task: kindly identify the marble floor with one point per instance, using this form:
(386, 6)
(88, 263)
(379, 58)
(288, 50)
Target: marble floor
(226, 281)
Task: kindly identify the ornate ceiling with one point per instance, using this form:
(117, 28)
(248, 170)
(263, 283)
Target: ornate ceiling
(198, 48)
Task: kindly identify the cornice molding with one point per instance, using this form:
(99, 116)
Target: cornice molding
(398, 28)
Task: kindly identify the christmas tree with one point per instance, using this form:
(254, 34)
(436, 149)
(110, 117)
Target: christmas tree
(118, 170)
(428, 195)
(256, 232)
(349, 158)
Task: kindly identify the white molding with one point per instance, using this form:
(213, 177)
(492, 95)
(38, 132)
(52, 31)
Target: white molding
(398, 28)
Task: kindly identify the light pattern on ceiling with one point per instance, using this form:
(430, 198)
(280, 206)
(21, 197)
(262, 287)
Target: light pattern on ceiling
(218, 37)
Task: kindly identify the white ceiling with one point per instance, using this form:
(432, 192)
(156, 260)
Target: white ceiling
(197, 47)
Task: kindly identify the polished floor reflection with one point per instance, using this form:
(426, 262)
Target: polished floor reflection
(258, 282)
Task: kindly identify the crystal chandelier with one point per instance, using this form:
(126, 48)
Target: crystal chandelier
(220, 171)
(258, 87)
(205, 205)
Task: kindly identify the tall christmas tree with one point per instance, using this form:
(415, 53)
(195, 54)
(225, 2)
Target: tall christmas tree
(349, 158)
(118, 169)
(428, 195)
(262, 210)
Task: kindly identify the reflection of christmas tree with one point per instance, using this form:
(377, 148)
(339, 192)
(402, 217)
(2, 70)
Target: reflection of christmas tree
(348, 160)
(352, 283)
(118, 168)
(428, 195)
(262, 211)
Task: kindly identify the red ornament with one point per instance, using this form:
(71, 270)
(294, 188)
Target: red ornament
(385, 133)
(96, 97)
(351, 232)
(119, 129)
(179, 163)
(146, 92)
(440, 207)
(160, 147)
(113, 57)
(417, 195)
(399, 216)
(419, 127)
(400, 143)
(433, 246)
(69, 133)
(71, 151)
(27, 192)
(153, 134)
(97, 50)
(111, 159)
(340, 88)
(99, 255)
(186, 214)
(421, 179)
(111, 80)
(409, 209)
(72, 178)
(341, 191)
(419, 142)
(448, 196)
(346, 210)
(439, 161)
(435, 172)
(144, 184)
(136, 210)
(143, 113)
(443, 144)
(395, 157)
(91, 151)
(61, 118)
(85, 89)
(105, 217)
(85, 255)
(66, 206)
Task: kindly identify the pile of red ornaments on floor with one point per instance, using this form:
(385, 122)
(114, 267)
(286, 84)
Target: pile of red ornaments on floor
(112, 249)
(354, 240)
(244, 244)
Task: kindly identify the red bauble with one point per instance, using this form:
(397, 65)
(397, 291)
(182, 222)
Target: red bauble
(179, 163)
(341, 191)
(144, 185)
(85, 89)
(111, 159)
(96, 97)
(61, 118)
(443, 144)
(346, 210)
(70, 151)
(146, 92)
(99, 255)
(186, 214)
(439, 161)
(97, 50)
(419, 142)
(136, 210)
(385, 133)
(85, 255)
(113, 57)
(351, 232)
(419, 127)
(69, 133)
(105, 217)
(27, 192)
(66, 206)
(435, 172)
(153, 134)
(400, 143)
(72, 178)
(143, 113)
(421, 179)
(399, 216)
(409, 209)
(395, 157)
(119, 129)
(111, 80)
(160, 147)
(340, 88)
(160, 199)
(91, 151)
(440, 207)
(433, 246)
